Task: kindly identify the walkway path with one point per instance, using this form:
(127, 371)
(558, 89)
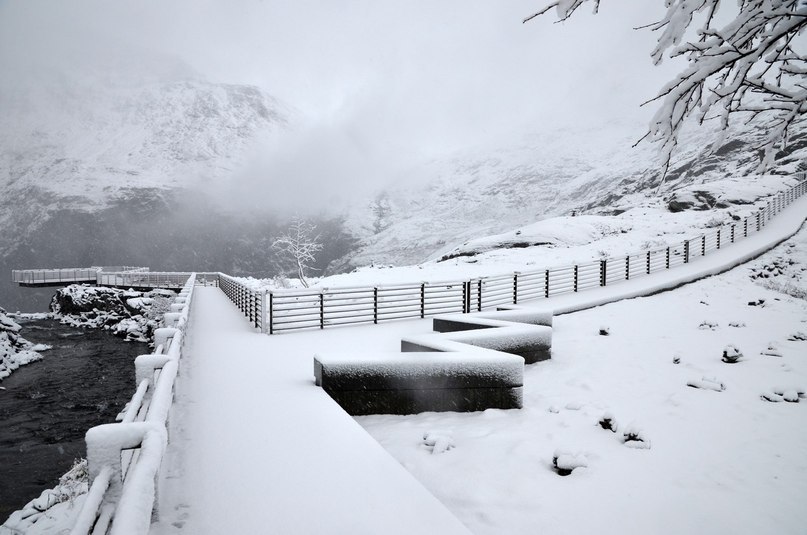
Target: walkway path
(257, 448)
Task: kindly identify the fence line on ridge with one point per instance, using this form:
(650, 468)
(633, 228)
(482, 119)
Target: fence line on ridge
(285, 310)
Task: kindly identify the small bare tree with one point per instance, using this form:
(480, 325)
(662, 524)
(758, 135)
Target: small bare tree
(299, 245)
(753, 65)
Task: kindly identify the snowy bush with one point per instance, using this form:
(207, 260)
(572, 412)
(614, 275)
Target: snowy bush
(710, 325)
(605, 330)
(778, 394)
(565, 462)
(438, 441)
(707, 383)
(798, 336)
(731, 354)
(772, 350)
(608, 422)
(634, 437)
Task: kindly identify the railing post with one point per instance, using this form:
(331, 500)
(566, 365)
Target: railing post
(603, 272)
(422, 300)
(732, 232)
(375, 305)
(271, 314)
(627, 268)
(648, 262)
(718, 238)
(321, 310)
(686, 251)
(668, 257)
(515, 288)
(759, 223)
(465, 297)
(575, 278)
(703, 245)
(546, 284)
(745, 228)
(479, 295)
(263, 312)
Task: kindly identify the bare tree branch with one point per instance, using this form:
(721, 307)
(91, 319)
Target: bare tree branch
(299, 245)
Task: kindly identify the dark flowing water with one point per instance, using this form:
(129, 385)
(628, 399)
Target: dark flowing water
(47, 406)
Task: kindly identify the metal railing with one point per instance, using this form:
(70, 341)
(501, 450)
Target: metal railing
(124, 458)
(67, 275)
(151, 279)
(288, 310)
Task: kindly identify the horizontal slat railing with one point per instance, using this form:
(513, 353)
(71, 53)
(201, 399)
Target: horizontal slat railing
(286, 310)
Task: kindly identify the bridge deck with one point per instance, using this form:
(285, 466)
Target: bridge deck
(257, 448)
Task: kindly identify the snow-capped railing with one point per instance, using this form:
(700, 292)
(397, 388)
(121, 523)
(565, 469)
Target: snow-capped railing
(66, 275)
(251, 302)
(321, 307)
(124, 458)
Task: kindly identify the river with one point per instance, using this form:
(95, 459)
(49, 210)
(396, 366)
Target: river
(48, 405)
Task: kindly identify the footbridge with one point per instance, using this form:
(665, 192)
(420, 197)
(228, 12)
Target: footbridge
(228, 431)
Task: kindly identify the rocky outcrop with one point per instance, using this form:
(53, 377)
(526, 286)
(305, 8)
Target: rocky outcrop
(15, 351)
(129, 314)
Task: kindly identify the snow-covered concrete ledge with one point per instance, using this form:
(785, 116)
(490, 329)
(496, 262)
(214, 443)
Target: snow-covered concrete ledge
(475, 363)
(464, 380)
(776, 231)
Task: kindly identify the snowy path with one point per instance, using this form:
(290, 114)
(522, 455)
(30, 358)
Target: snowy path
(257, 448)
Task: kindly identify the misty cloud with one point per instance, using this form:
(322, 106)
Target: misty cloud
(376, 87)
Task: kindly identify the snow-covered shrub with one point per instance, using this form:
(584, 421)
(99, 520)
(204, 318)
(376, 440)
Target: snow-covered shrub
(731, 354)
(634, 437)
(710, 325)
(707, 383)
(787, 287)
(608, 422)
(565, 462)
(438, 441)
(605, 330)
(778, 394)
(676, 358)
(772, 350)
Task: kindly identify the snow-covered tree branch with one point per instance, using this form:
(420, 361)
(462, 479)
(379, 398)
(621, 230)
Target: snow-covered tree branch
(752, 66)
(299, 245)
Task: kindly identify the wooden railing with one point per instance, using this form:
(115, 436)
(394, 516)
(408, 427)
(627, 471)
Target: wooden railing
(288, 310)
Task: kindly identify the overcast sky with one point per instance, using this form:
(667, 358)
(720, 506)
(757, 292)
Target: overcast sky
(395, 80)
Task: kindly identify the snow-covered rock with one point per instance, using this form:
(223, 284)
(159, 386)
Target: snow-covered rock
(15, 351)
(129, 314)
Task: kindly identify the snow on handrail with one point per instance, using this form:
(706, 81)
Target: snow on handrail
(123, 490)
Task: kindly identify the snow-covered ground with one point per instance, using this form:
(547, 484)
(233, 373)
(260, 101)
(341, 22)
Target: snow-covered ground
(646, 223)
(714, 455)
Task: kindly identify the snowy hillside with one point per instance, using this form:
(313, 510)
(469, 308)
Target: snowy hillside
(491, 190)
(95, 168)
(81, 145)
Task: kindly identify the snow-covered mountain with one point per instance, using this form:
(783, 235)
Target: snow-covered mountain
(94, 168)
(130, 169)
(491, 190)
